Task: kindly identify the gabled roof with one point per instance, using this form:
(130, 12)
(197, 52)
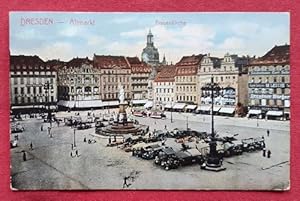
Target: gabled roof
(167, 74)
(137, 66)
(277, 55)
(190, 60)
(28, 63)
(78, 62)
(109, 62)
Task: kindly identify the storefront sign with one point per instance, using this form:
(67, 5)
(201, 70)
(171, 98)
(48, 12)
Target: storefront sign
(269, 85)
(269, 72)
(269, 96)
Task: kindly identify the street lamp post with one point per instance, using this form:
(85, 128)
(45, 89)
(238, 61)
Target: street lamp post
(48, 88)
(171, 112)
(187, 123)
(214, 159)
(74, 139)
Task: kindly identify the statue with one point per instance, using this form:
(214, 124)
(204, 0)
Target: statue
(121, 94)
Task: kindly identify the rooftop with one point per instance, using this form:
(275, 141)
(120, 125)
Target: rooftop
(167, 74)
(277, 55)
(109, 62)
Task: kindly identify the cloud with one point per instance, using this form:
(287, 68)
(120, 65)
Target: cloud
(245, 28)
(232, 44)
(58, 50)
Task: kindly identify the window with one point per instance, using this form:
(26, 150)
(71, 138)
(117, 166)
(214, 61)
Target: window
(22, 91)
(221, 79)
(16, 90)
(282, 79)
(275, 79)
(16, 100)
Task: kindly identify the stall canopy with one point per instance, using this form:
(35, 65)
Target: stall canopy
(191, 107)
(256, 112)
(204, 108)
(227, 110)
(168, 106)
(217, 108)
(81, 104)
(149, 104)
(135, 102)
(275, 113)
(179, 106)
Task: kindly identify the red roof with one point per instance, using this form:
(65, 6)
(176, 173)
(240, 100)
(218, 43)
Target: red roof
(25, 63)
(188, 65)
(78, 62)
(167, 74)
(277, 55)
(109, 62)
(190, 60)
(137, 66)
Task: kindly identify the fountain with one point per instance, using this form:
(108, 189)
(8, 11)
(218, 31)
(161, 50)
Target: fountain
(122, 125)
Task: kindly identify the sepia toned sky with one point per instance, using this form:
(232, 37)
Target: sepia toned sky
(175, 34)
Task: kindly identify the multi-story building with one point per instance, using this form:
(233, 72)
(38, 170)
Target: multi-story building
(186, 80)
(32, 83)
(164, 87)
(140, 72)
(230, 73)
(269, 83)
(115, 73)
(79, 84)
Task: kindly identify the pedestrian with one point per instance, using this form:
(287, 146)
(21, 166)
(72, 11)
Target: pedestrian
(109, 140)
(264, 152)
(125, 182)
(42, 128)
(76, 152)
(115, 138)
(31, 146)
(269, 154)
(165, 127)
(72, 146)
(84, 139)
(71, 154)
(24, 156)
(268, 132)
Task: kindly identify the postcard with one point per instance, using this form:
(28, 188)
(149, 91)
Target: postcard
(162, 101)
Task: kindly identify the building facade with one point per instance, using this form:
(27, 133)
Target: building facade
(32, 83)
(140, 72)
(164, 87)
(78, 81)
(230, 73)
(269, 83)
(115, 73)
(186, 79)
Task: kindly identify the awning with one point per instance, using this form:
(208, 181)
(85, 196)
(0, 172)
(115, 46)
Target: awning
(275, 113)
(33, 107)
(168, 105)
(110, 103)
(148, 104)
(256, 112)
(81, 104)
(191, 107)
(227, 110)
(179, 106)
(217, 108)
(204, 108)
(139, 101)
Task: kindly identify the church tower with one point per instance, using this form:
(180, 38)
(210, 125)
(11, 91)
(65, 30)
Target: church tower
(150, 53)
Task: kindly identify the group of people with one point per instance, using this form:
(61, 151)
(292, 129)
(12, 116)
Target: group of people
(265, 152)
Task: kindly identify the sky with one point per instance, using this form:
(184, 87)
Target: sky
(175, 34)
